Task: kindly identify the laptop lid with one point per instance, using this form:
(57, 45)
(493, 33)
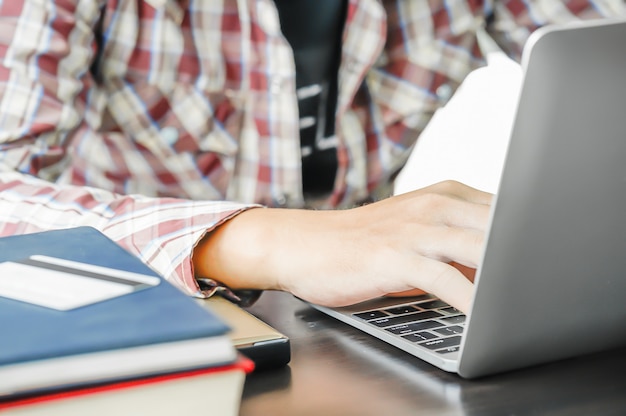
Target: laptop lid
(552, 280)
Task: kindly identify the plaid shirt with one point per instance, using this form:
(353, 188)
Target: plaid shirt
(141, 118)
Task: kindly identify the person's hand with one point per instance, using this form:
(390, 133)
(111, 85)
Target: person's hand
(468, 272)
(336, 258)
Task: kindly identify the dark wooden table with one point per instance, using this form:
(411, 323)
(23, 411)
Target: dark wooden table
(337, 370)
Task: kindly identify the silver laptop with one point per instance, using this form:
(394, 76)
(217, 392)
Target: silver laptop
(552, 281)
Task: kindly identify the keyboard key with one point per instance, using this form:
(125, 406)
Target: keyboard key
(414, 326)
(403, 319)
(401, 310)
(441, 343)
(399, 330)
(419, 336)
(370, 315)
(433, 304)
(452, 311)
(449, 350)
(459, 319)
(450, 330)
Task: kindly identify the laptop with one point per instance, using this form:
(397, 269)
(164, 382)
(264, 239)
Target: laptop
(552, 279)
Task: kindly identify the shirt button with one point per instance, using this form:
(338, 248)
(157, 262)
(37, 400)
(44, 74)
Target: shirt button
(352, 66)
(444, 92)
(169, 135)
(276, 84)
(281, 200)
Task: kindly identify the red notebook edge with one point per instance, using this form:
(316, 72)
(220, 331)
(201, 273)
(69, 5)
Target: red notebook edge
(243, 364)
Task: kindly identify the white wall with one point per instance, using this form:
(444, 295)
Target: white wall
(467, 139)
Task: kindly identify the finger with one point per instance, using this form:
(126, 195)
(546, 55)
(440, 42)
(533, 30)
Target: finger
(463, 192)
(464, 214)
(449, 244)
(447, 283)
(476, 196)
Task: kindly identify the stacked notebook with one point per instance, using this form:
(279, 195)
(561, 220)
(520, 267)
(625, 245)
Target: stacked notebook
(88, 328)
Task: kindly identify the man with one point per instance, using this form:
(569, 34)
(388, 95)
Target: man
(167, 124)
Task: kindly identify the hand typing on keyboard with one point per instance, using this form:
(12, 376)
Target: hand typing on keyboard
(468, 272)
(341, 257)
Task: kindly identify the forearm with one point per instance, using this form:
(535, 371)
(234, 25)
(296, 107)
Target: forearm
(160, 231)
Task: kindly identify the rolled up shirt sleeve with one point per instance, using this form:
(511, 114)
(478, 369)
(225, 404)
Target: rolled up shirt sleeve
(162, 232)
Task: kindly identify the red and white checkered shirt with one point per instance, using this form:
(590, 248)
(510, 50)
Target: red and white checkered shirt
(141, 118)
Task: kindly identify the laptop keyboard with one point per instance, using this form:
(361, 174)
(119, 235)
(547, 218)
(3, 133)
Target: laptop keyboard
(426, 321)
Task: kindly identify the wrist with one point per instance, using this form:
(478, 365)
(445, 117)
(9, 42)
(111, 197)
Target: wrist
(268, 248)
(236, 252)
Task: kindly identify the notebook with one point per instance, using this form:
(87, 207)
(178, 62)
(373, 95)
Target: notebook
(551, 281)
(76, 309)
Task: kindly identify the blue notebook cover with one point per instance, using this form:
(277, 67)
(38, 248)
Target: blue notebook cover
(158, 314)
